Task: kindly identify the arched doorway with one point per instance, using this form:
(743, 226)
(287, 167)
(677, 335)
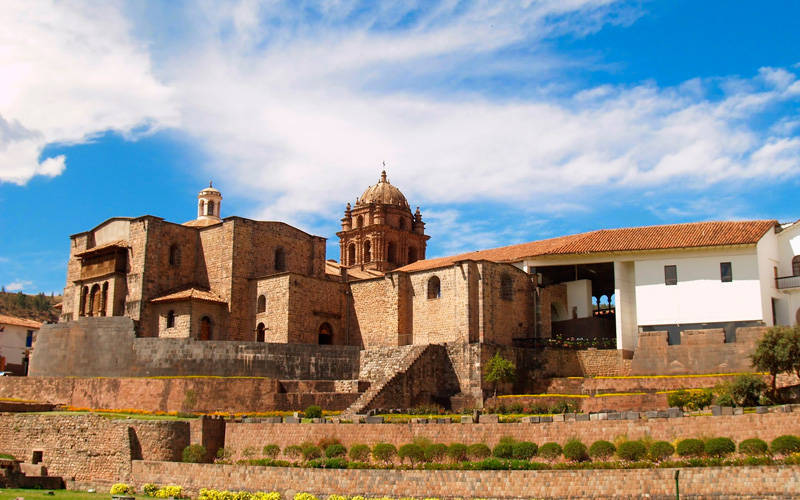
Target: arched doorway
(260, 330)
(205, 329)
(325, 334)
(367, 251)
(351, 254)
(96, 301)
(84, 301)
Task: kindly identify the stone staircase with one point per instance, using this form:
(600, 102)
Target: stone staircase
(392, 367)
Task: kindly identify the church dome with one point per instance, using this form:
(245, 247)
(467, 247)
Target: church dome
(383, 192)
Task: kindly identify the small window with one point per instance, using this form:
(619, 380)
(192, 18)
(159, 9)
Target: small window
(796, 265)
(29, 339)
(434, 288)
(174, 255)
(506, 287)
(171, 319)
(725, 272)
(210, 208)
(262, 304)
(670, 275)
(280, 259)
(37, 457)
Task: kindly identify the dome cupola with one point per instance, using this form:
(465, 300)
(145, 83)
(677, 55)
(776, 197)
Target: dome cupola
(384, 193)
(209, 201)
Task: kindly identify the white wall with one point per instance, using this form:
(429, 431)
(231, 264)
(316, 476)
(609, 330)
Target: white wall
(12, 342)
(626, 299)
(768, 259)
(788, 244)
(111, 231)
(579, 296)
(700, 296)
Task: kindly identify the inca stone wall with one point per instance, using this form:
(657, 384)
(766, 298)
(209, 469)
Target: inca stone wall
(701, 482)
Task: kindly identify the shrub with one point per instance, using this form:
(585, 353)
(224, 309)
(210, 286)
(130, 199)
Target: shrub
(413, 452)
(785, 445)
(457, 452)
(313, 411)
(660, 450)
(384, 452)
(678, 399)
(632, 451)
(149, 489)
(224, 455)
(435, 452)
(576, 451)
(304, 496)
(310, 451)
(293, 451)
(336, 497)
(517, 408)
(524, 450)
(194, 453)
(719, 447)
(327, 441)
(753, 447)
(691, 448)
(549, 451)
(271, 450)
(170, 491)
(564, 407)
(602, 450)
(335, 450)
(747, 389)
(359, 453)
(122, 489)
(724, 397)
(478, 451)
(503, 450)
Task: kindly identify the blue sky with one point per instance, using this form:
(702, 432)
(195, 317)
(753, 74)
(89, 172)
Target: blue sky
(505, 121)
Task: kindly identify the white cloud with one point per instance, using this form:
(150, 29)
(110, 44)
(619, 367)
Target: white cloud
(68, 71)
(18, 285)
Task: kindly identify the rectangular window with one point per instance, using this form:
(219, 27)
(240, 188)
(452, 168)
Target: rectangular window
(29, 339)
(725, 272)
(670, 275)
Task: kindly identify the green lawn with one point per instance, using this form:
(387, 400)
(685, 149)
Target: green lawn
(11, 494)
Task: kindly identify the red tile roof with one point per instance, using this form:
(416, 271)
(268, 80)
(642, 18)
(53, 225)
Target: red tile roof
(13, 320)
(629, 239)
(190, 294)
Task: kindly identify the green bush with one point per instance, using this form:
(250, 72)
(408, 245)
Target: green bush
(660, 450)
(149, 489)
(384, 452)
(413, 452)
(564, 407)
(517, 408)
(632, 451)
(724, 397)
(719, 447)
(691, 400)
(224, 455)
(359, 453)
(335, 450)
(753, 447)
(576, 451)
(271, 450)
(435, 452)
(7, 456)
(691, 448)
(478, 451)
(503, 450)
(524, 450)
(746, 390)
(313, 411)
(457, 452)
(602, 450)
(194, 453)
(122, 489)
(785, 445)
(310, 451)
(293, 451)
(549, 451)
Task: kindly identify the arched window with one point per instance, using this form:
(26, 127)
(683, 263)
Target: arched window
(260, 329)
(360, 221)
(210, 207)
(412, 255)
(280, 259)
(84, 301)
(171, 319)
(796, 265)
(391, 252)
(367, 251)
(104, 299)
(325, 334)
(351, 254)
(506, 287)
(434, 288)
(95, 301)
(261, 306)
(205, 329)
(174, 255)
(202, 207)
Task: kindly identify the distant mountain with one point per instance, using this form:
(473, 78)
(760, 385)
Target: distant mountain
(38, 307)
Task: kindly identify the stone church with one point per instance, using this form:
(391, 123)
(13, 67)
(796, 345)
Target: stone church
(238, 279)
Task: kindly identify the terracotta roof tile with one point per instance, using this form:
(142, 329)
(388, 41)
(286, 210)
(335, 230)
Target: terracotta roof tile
(629, 239)
(88, 251)
(190, 294)
(13, 320)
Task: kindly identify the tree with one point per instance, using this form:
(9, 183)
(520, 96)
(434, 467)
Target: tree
(775, 352)
(500, 370)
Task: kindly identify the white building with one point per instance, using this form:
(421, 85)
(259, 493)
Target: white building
(17, 336)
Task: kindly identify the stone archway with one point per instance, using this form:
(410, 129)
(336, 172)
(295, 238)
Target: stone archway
(325, 334)
(205, 329)
(260, 332)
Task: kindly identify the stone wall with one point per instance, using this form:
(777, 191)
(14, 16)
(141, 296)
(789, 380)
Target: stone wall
(706, 482)
(700, 351)
(375, 315)
(107, 347)
(89, 447)
(170, 394)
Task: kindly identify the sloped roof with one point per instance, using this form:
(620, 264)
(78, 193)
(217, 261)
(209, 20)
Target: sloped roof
(101, 248)
(629, 239)
(333, 268)
(190, 294)
(13, 320)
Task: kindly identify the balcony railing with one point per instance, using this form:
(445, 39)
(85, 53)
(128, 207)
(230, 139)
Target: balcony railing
(788, 282)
